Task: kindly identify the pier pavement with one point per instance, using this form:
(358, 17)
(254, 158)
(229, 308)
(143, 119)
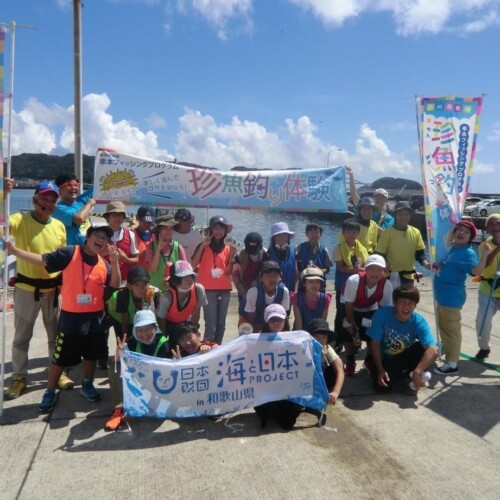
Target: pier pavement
(443, 443)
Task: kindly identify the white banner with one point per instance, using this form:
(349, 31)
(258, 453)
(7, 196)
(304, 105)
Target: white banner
(135, 180)
(248, 371)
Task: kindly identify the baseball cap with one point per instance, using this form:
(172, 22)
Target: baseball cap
(183, 214)
(375, 260)
(145, 214)
(101, 227)
(274, 311)
(312, 273)
(320, 325)
(382, 192)
(367, 201)
(46, 187)
(137, 273)
(402, 205)
(269, 265)
(182, 268)
(281, 228)
(253, 240)
(219, 219)
(115, 207)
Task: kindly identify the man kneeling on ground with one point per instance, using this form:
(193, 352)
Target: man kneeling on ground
(402, 342)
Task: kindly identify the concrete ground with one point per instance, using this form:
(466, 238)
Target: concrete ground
(443, 443)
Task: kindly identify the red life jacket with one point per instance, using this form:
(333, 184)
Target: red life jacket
(362, 301)
(176, 315)
(124, 245)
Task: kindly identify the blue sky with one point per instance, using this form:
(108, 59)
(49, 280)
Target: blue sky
(261, 83)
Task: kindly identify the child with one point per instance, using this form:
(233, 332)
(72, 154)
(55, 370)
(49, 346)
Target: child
(123, 238)
(124, 303)
(313, 253)
(350, 257)
(182, 301)
(82, 318)
(285, 412)
(363, 294)
(333, 371)
(164, 251)
(146, 339)
(214, 260)
(184, 233)
(311, 302)
(143, 234)
(270, 290)
(189, 341)
(280, 252)
(246, 267)
(368, 233)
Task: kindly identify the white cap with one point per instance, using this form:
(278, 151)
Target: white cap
(183, 268)
(375, 260)
(382, 192)
(312, 273)
(281, 228)
(144, 318)
(274, 311)
(245, 328)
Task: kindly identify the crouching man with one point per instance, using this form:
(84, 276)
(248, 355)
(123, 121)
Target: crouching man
(402, 342)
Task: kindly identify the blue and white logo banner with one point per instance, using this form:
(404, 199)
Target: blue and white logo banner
(136, 181)
(246, 372)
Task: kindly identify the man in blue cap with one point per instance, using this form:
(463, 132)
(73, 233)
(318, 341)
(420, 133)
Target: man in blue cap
(36, 289)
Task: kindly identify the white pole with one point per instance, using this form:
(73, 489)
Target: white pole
(6, 207)
(77, 74)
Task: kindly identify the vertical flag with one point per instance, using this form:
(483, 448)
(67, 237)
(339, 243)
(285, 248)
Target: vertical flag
(448, 128)
(2, 98)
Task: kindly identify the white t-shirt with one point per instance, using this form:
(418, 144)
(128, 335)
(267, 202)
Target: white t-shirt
(118, 236)
(189, 241)
(351, 290)
(251, 303)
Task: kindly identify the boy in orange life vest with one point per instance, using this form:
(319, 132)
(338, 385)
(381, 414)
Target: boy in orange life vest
(123, 238)
(143, 233)
(82, 318)
(363, 294)
(182, 301)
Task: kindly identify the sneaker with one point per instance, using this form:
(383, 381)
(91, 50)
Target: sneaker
(350, 368)
(88, 391)
(446, 369)
(64, 383)
(408, 389)
(115, 420)
(103, 364)
(482, 354)
(48, 401)
(16, 388)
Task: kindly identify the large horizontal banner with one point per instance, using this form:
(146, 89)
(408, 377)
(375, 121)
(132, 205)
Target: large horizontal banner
(138, 181)
(448, 129)
(246, 372)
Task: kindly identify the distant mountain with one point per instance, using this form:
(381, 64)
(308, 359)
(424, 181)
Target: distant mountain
(396, 183)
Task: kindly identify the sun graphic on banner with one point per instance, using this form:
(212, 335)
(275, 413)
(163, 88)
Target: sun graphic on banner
(118, 179)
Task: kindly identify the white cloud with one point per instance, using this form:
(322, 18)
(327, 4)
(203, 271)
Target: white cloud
(39, 128)
(156, 121)
(494, 134)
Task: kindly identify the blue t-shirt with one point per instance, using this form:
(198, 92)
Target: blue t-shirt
(65, 213)
(397, 336)
(449, 281)
(387, 222)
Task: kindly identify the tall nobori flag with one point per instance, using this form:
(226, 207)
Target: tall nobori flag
(448, 128)
(2, 99)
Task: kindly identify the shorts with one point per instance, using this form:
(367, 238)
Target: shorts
(71, 348)
(344, 335)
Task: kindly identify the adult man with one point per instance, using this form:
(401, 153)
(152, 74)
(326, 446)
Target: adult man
(184, 234)
(402, 342)
(401, 245)
(73, 209)
(488, 296)
(36, 289)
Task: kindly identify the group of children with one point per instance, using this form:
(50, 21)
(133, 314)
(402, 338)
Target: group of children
(157, 309)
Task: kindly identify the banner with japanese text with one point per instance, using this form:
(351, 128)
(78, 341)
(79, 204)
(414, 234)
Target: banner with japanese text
(448, 129)
(248, 371)
(135, 180)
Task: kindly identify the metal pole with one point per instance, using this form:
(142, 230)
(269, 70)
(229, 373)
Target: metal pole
(77, 51)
